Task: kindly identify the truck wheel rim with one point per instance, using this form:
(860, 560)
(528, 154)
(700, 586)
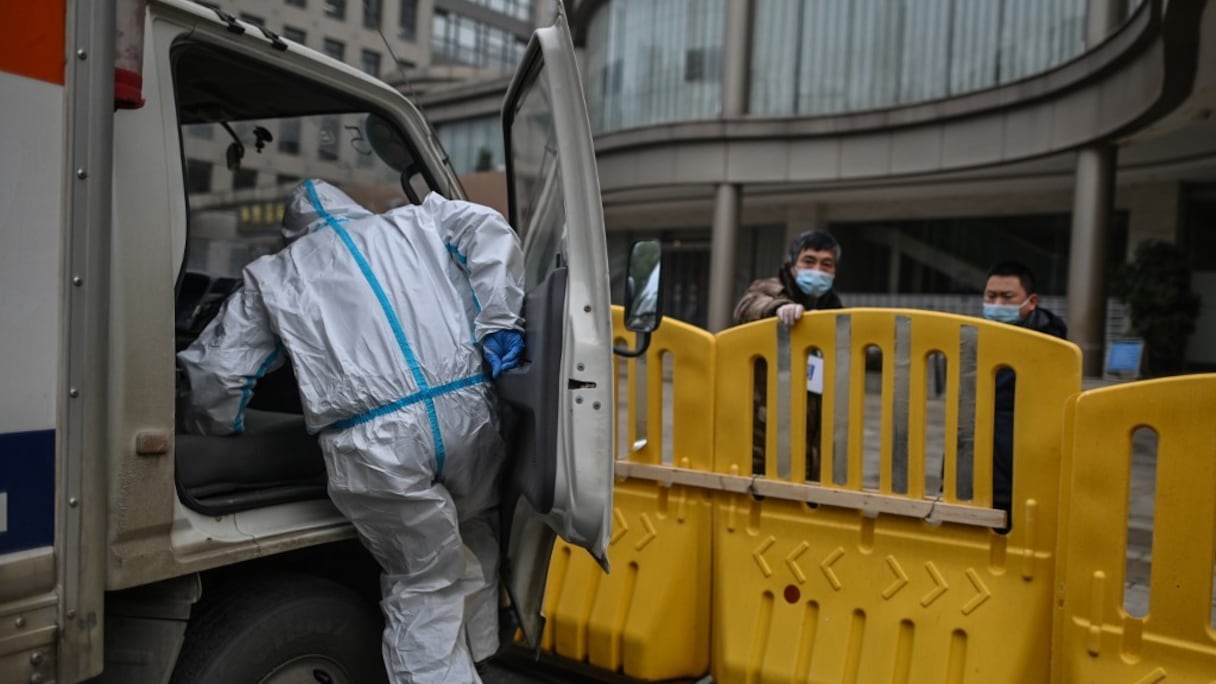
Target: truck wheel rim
(308, 669)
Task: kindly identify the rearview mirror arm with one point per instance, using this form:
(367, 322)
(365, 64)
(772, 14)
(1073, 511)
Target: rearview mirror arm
(643, 345)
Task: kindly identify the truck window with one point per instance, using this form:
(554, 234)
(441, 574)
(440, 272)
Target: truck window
(235, 210)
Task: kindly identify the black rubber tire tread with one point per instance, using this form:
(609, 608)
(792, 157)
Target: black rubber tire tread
(252, 627)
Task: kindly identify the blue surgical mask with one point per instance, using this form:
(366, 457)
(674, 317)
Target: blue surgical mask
(1004, 313)
(814, 283)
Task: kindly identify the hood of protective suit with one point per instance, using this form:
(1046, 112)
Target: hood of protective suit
(301, 215)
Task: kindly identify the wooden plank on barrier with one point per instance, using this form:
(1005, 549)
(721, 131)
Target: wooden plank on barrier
(933, 510)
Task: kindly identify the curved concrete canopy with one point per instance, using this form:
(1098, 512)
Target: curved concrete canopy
(1134, 78)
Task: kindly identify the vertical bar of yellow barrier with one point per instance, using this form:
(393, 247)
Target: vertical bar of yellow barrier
(820, 332)
(917, 414)
(918, 396)
(985, 405)
(929, 337)
(654, 403)
(798, 418)
(887, 439)
(857, 412)
(772, 420)
(950, 347)
(631, 376)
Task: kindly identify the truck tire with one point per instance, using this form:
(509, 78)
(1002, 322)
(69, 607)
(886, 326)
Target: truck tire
(283, 629)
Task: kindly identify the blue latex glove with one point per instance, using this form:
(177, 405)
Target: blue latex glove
(503, 350)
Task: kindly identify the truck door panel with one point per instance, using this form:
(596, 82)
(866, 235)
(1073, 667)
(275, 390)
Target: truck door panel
(560, 476)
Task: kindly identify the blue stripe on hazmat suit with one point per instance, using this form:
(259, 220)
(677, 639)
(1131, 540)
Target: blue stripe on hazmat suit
(381, 316)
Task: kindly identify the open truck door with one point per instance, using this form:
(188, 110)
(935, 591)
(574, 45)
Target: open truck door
(561, 410)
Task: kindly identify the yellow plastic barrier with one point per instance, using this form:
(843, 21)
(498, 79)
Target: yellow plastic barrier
(648, 618)
(1095, 638)
(898, 583)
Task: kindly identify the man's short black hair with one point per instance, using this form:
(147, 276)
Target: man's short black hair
(816, 240)
(1016, 268)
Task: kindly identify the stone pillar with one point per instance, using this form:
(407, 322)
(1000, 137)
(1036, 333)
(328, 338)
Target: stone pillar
(723, 248)
(736, 65)
(1093, 200)
(1093, 203)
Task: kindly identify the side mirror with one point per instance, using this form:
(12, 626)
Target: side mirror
(643, 293)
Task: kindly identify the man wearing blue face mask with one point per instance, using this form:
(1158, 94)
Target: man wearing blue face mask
(803, 283)
(1010, 297)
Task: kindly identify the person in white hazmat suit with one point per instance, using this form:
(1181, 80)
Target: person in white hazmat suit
(374, 313)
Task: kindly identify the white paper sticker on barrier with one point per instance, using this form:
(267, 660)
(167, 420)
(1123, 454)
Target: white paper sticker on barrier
(814, 374)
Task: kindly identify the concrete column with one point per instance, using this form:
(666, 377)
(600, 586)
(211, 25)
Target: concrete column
(1093, 201)
(1093, 204)
(722, 256)
(736, 66)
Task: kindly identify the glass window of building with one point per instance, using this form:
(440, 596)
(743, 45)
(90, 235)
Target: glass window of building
(702, 65)
(841, 55)
(652, 62)
(243, 179)
(369, 61)
(335, 9)
(327, 147)
(516, 9)
(473, 144)
(372, 9)
(407, 21)
(297, 3)
(461, 40)
(289, 136)
(295, 34)
(198, 175)
(334, 48)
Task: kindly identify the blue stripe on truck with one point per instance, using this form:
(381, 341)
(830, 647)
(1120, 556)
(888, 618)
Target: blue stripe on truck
(27, 490)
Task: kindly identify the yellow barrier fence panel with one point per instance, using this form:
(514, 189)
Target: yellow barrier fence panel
(1096, 640)
(857, 578)
(649, 618)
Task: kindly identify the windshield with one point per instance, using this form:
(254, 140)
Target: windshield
(238, 176)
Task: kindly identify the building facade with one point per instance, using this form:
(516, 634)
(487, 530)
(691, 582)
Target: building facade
(932, 138)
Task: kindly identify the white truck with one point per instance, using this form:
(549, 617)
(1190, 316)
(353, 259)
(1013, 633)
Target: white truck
(132, 552)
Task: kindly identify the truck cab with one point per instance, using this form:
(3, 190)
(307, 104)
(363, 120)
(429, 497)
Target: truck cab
(188, 558)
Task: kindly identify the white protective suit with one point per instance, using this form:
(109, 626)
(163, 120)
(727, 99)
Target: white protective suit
(374, 312)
